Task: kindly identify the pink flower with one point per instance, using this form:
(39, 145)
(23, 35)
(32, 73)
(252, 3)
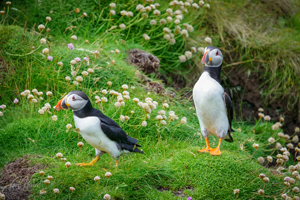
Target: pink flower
(86, 58)
(16, 101)
(189, 198)
(73, 73)
(77, 59)
(3, 106)
(71, 46)
(50, 58)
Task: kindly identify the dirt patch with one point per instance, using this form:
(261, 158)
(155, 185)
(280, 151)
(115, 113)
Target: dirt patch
(179, 193)
(15, 178)
(146, 62)
(149, 64)
(249, 99)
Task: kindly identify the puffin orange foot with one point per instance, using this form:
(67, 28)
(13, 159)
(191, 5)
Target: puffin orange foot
(84, 164)
(215, 152)
(207, 149)
(117, 164)
(88, 164)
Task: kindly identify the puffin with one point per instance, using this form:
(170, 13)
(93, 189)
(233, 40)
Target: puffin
(213, 104)
(100, 131)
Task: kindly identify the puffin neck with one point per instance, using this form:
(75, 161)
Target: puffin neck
(214, 72)
(85, 111)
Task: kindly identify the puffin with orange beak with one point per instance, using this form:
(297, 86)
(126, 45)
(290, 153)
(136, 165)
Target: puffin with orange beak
(213, 105)
(103, 133)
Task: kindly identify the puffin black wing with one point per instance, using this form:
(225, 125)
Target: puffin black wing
(229, 109)
(114, 132)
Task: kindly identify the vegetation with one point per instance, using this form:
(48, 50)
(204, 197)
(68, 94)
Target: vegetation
(171, 164)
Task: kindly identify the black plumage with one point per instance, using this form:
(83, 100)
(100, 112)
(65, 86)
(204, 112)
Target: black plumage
(229, 109)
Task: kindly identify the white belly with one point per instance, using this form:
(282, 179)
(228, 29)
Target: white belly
(92, 133)
(210, 106)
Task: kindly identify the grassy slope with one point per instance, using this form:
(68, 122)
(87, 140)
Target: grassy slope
(259, 36)
(167, 163)
(169, 159)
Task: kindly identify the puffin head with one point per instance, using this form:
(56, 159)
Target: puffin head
(75, 100)
(212, 57)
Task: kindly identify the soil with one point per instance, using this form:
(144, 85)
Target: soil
(146, 62)
(248, 100)
(179, 193)
(149, 64)
(15, 178)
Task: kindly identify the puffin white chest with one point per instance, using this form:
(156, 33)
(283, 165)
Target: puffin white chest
(210, 106)
(91, 131)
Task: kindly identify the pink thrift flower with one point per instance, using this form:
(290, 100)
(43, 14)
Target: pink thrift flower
(77, 59)
(3, 106)
(86, 58)
(71, 46)
(73, 73)
(189, 198)
(16, 101)
(50, 58)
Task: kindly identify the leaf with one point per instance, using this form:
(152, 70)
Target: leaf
(121, 186)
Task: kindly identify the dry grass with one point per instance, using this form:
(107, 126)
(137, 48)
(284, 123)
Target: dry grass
(258, 36)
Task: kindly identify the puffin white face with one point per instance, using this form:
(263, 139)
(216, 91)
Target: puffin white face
(75, 102)
(212, 57)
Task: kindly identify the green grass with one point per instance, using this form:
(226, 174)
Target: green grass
(170, 161)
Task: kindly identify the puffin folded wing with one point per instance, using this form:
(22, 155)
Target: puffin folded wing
(117, 134)
(229, 110)
(114, 133)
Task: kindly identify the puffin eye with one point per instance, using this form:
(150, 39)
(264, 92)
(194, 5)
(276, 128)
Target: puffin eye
(73, 98)
(217, 53)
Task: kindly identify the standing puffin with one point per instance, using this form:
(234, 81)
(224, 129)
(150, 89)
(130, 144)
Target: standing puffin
(213, 104)
(104, 134)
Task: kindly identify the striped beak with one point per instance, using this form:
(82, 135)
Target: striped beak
(62, 105)
(205, 58)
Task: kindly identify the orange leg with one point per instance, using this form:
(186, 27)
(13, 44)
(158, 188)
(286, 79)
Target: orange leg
(216, 151)
(207, 149)
(89, 164)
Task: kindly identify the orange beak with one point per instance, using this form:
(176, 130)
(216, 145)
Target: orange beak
(204, 58)
(58, 105)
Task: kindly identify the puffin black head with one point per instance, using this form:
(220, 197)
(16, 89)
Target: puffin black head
(212, 57)
(75, 100)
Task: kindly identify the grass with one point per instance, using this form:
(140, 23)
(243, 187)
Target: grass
(170, 163)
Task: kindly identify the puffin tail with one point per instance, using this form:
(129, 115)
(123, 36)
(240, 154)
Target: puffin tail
(131, 147)
(134, 141)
